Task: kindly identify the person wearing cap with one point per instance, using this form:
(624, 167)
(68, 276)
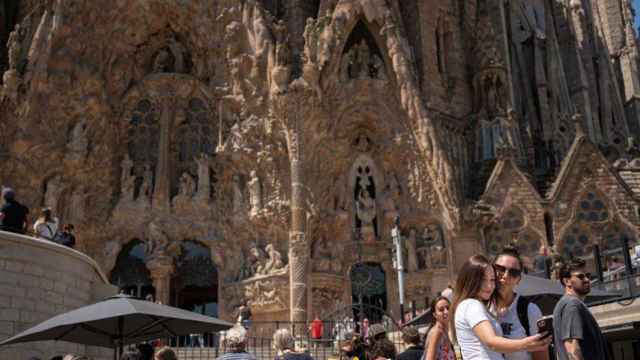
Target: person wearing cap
(235, 341)
(411, 338)
(379, 346)
(46, 226)
(13, 215)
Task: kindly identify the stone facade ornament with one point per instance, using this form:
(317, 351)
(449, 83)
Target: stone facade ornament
(54, 188)
(204, 177)
(366, 212)
(412, 254)
(127, 180)
(187, 186)
(274, 262)
(238, 195)
(255, 193)
(78, 144)
(146, 188)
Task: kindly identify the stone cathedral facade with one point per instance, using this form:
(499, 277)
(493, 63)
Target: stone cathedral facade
(219, 152)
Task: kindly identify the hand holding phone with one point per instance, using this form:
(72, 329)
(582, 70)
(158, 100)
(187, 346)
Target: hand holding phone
(545, 325)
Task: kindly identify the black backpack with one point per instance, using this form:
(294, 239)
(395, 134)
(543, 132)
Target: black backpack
(523, 313)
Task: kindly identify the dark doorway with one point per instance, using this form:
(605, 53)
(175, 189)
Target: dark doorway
(130, 274)
(368, 291)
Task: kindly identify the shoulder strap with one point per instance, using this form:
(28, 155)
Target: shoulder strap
(523, 313)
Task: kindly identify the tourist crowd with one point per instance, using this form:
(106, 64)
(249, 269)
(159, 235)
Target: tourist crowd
(14, 218)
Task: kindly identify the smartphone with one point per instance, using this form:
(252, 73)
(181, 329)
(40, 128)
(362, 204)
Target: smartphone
(545, 324)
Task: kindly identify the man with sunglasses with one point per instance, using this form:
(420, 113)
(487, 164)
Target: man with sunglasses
(577, 335)
(517, 316)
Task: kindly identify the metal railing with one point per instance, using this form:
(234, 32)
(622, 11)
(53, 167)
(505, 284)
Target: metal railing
(260, 341)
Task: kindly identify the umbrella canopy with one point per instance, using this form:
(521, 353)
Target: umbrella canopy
(118, 321)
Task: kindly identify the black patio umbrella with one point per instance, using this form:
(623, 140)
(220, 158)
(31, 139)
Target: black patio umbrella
(118, 321)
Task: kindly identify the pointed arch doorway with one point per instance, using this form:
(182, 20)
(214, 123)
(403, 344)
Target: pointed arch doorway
(368, 291)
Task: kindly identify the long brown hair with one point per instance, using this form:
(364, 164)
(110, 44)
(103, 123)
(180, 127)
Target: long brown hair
(468, 285)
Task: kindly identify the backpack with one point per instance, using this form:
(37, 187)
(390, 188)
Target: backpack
(523, 313)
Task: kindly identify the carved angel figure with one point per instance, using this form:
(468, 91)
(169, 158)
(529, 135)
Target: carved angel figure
(274, 262)
(365, 207)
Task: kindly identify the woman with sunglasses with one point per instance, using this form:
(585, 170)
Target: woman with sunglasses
(437, 345)
(517, 316)
(475, 329)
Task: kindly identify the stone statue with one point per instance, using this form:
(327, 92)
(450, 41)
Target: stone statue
(255, 193)
(238, 194)
(321, 255)
(78, 144)
(54, 189)
(274, 262)
(127, 181)
(412, 255)
(187, 186)
(535, 17)
(161, 61)
(157, 242)
(14, 48)
(378, 68)
(256, 261)
(366, 212)
(204, 180)
(282, 43)
(146, 189)
(310, 41)
(363, 60)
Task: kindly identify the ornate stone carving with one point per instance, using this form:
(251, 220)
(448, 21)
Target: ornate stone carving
(204, 177)
(54, 188)
(412, 254)
(366, 212)
(158, 244)
(146, 188)
(255, 193)
(127, 180)
(274, 262)
(78, 144)
(238, 195)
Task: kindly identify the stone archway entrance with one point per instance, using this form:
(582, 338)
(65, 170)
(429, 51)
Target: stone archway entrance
(368, 291)
(130, 273)
(194, 285)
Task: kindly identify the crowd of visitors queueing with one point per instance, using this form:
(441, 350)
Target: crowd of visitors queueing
(14, 217)
(488, 321)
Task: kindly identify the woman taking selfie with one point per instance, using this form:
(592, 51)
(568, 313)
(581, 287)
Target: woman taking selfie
(476, 330)
(437, 344)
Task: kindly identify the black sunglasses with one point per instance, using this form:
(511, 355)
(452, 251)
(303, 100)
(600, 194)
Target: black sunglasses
(514, 273)
(582, 276)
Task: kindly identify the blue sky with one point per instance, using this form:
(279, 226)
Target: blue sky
(636, 6)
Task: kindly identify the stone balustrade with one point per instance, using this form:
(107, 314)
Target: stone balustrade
(38, 280)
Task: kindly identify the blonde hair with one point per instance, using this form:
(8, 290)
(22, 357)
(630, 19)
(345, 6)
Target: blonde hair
(165, 353)
(283, 340)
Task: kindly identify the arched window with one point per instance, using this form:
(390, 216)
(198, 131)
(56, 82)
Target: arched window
(144, 133)
(130, 274)
(195, 136)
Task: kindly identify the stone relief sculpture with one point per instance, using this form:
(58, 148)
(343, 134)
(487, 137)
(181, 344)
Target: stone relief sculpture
(158, 245)
(412, 254)
(433, 249)
(255, 193)
(274, 263)
(11, 79)
(54, 188)
(161, 62)
(204, 176)
(127, 180)
(187, 186)
(366, 213)
(78, 144)
(263, 294)
(238, 195)
(321, 255)
(281, 72)
(146, 188)
(359, 63)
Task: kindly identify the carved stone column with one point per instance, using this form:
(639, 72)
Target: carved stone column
(161, 269)
(161, 189)
(287, 108)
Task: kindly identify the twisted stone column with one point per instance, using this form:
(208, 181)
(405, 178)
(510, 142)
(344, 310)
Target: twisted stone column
(161, 269)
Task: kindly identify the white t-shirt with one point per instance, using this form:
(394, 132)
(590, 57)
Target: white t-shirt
(513, 329)
(469, 313)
